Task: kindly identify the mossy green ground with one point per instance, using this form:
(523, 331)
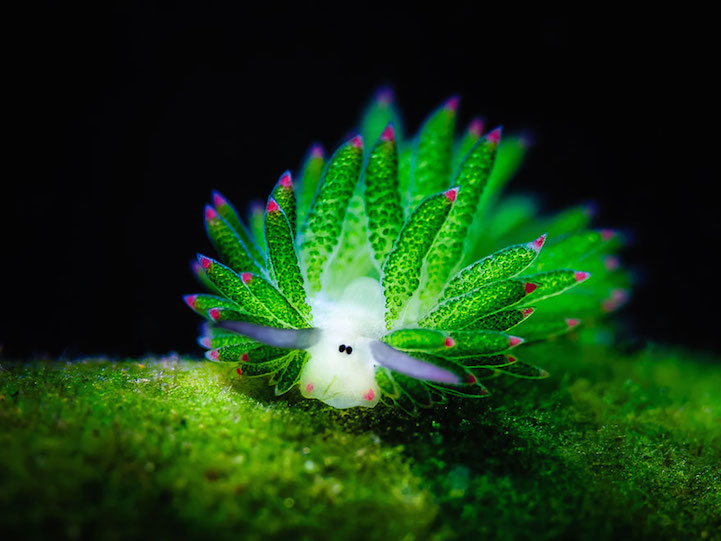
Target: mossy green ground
(611, 446)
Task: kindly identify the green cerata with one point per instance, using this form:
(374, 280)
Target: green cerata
(395, 271)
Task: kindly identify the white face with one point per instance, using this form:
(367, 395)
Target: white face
(341, 370)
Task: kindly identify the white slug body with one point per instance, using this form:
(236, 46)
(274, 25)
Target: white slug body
(341, 370)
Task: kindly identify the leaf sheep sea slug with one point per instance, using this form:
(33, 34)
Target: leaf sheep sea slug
(394, 271)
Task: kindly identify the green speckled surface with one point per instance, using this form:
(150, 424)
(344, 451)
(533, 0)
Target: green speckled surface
(611, 445)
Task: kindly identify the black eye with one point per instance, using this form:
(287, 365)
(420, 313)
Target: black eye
(341, 348)
(349, 350)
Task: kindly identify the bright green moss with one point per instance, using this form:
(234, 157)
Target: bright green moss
(604, 450)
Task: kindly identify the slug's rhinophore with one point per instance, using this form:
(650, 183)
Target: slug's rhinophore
(395, 272)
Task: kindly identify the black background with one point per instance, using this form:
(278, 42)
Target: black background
(132, 115)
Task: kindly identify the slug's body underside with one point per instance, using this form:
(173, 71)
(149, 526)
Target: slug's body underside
(395, 272)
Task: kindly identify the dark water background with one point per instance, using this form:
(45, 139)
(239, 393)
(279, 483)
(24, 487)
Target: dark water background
(134, 114)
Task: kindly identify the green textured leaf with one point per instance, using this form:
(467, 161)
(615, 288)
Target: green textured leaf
(202, 302)
(380, 112)
(265, 368)
(483, 374)
(215, 337)
(247, 353)
(284, 196)
(467, 142)
(310, 176)
(255, 219)
(447, 250)
(431, 162)
(404, 178)
(488, 362)
(229, 214)
(572, 249)
(290, 375)
(273, 300)
(505, 263)
(451, 344)
(464, 310)
(502, 321)
(353, 257)
(402, 269)
(232, 286)
(583, 304)
(227, 243)
(323, 225)
(542, 330)
(202, 278)
(473, 343)
(416, 339)
(226, 314)
(382, 197)
(283, 259)
(511, 152)
(554, 282)
(524, 370)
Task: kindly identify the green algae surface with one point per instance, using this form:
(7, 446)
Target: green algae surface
(612, 445)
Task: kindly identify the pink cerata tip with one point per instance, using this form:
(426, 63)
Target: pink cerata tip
(219, 200)
(449, 342)
(190, 300)
(309, 388)
(205, 341)
(389, 133)
(471, 379)
(246, 277)
(527, 312)
(573, 322)
(210, 213)
(452, 103)
(476, 127)
(212, 354)
(511, 358)
(513, 341)
(607, 234)
(357, 141)
(384, 96)
(538, 243)
(239, 371)
(611, 263)
(316, 151)
(619, 296)
(214, 314)
(272, 206)
(494, 136)
(529, 287)
(244, 357)
(581, 276)
(205, 262)
(285, 180)
(451, 194)
(370, 395)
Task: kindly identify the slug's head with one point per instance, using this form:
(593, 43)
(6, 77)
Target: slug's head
(340, 371)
